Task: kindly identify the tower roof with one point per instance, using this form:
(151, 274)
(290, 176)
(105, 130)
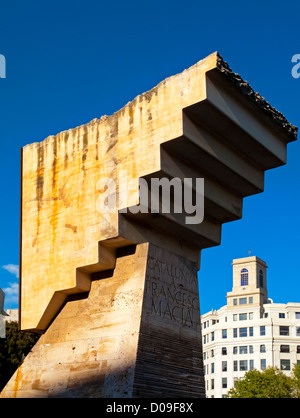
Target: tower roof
(249, 260)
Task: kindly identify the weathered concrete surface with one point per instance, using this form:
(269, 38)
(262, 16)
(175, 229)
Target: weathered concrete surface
(169, 356)
(90, 348)
(142, 315)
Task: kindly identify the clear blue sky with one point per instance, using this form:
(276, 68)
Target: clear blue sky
(69, 62)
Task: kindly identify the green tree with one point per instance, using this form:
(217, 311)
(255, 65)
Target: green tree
(296, 377)
(13, 349)
(270, 383)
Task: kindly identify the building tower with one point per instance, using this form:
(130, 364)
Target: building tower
(249, 283)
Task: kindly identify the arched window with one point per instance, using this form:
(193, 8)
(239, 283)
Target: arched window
(261, 278)
(244, 277)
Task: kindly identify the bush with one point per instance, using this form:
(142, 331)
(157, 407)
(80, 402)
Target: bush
(270, 383)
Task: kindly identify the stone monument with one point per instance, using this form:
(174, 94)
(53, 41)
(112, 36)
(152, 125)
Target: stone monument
(111, 284)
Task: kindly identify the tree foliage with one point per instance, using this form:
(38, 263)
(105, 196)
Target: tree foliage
(270, 383)
(13, 349)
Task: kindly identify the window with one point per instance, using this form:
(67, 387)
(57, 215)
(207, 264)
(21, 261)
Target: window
(263, 364)
(251, 300)
(284, 348)
(262, 348)
(212, 384)
(284, 331)
(251, 315)
(224, 351)
(212, 353)
(243, 317)
(235, 317)
(261, 278)
(243, 301)
(212, 367)
(251, 366)
(251, 349)
(282, 315)
(212, 336)
(298, 349)
(244, 350)
(235, 366)
(235, 302)
(224, 334)
(235, 333)
(224, 383)
(297, 315)
(251, 332)
(244, 277)
(243, 332)
(297, 331)
(235, 350)
(263, 331)
(243, 365)
(224, 366)
(285, 364)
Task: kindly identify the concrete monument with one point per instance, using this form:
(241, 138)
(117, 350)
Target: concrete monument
(111, 284)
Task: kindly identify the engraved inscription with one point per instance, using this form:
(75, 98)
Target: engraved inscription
(172, 292)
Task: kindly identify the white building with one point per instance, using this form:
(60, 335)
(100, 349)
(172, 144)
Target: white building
(251, 332)
(12, 315)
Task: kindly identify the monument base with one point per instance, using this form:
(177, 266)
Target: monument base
(137, 333)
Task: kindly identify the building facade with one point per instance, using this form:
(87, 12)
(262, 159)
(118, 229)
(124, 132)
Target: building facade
(12, 315)
(250, 332)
